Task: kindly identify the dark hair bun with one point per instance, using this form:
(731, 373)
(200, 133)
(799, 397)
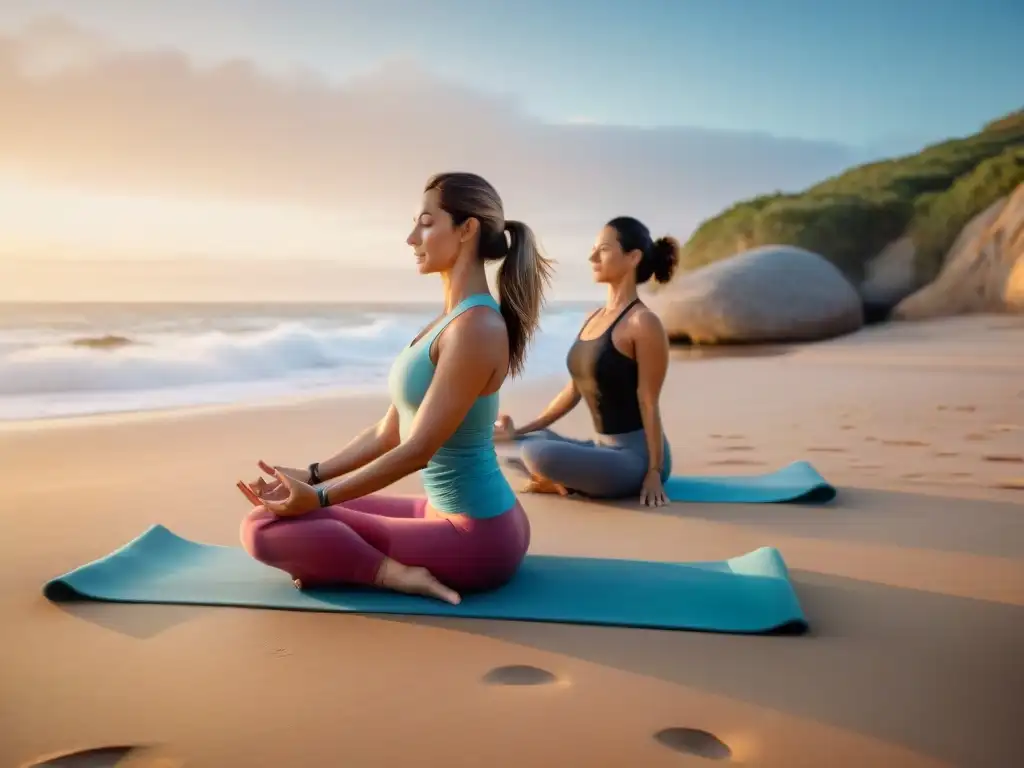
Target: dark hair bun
(664, 258)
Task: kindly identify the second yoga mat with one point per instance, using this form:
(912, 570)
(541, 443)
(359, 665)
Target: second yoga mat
(796, 482)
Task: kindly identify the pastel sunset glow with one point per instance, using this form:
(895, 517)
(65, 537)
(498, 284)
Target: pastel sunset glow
(223, 131)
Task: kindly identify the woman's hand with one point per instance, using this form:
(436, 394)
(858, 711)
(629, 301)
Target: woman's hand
(504, 429)
(293, 496)
(653, 492)
(274, 489)
(249, 494)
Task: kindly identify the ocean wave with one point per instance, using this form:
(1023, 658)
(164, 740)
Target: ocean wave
(281, 351)
(161, 361)
(104, 366)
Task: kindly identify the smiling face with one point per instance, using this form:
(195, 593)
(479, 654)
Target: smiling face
(608, 261)
(435, 239)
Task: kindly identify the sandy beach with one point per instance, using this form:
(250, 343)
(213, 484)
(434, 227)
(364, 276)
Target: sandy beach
(912, 581)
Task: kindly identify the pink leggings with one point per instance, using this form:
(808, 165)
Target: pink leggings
(347, 544)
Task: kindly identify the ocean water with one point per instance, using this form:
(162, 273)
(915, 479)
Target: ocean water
(62, 360)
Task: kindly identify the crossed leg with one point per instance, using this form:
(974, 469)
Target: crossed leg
(558, 464)
(376, 540)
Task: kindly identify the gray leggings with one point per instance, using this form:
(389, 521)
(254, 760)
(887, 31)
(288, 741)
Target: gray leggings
(612, 466)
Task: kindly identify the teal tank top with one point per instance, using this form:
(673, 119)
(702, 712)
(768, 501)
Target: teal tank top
(463, 476)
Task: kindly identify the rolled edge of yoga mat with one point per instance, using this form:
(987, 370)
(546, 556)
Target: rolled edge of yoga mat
(148, 553)
(797, 482)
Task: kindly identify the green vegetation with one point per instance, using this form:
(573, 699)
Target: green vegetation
(849, 218)
(943, 216)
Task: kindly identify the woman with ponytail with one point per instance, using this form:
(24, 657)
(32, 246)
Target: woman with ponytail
(618, 365)
(327, 525)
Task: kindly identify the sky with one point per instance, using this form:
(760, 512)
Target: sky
(217, 132)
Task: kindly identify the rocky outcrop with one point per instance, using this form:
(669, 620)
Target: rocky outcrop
(983, 271)
(890, 276)
(775, 293)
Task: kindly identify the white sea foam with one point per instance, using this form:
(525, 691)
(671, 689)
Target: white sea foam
(96, 364)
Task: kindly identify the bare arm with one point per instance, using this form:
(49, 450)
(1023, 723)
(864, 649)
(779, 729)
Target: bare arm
(364, 448)
(651, 349)
(562, 403)
(470, 354)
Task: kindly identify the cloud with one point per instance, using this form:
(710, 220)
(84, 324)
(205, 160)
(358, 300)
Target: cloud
(78, 110)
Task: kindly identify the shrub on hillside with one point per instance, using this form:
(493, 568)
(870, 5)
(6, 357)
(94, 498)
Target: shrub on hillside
(850, 217)
(938, 223)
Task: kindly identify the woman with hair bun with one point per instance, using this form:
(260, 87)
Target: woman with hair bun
(617, 365)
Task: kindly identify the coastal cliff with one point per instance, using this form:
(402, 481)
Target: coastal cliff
(913, 236)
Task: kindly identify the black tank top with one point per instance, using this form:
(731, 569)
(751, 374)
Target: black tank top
(607, 380)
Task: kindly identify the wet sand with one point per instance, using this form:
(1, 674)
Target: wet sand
(912, 580)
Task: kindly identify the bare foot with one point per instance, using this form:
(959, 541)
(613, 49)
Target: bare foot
(543, 485)
(414, 581)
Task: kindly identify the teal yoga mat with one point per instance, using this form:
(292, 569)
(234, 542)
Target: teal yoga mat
(749, 594)
(796, 482)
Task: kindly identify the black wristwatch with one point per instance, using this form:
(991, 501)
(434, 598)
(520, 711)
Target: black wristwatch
(314, 473)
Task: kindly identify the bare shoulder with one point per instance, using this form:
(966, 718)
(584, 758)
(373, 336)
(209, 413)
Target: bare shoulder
(480, 331)
(645, 323)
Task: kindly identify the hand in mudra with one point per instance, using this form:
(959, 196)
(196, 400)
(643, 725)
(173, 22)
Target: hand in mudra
(274, 489)
(286, 497)
(504, 429)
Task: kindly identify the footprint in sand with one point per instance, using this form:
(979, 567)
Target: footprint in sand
(519, 674)
(1005, 458)
(736, 463)
(692, 741)
(1005, 427)
(976, 437)
(736, 448)
(106, 757)
(825, 449)
(1011, 484)
(946, 454)
(864, 465)
(847, 427)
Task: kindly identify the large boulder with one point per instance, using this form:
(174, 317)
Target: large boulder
(983, 271)
(775, 293)
(890, 276)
